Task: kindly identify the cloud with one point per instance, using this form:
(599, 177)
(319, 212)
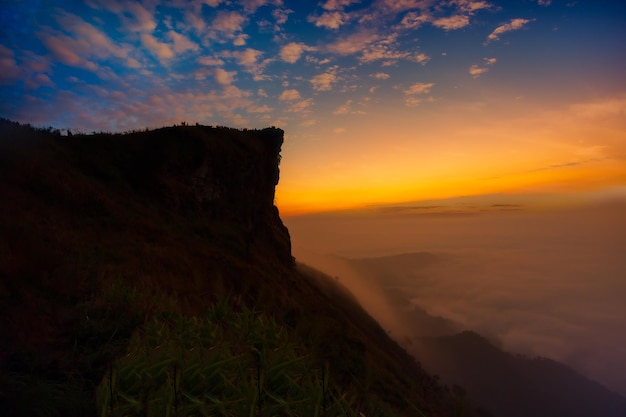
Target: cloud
(471, 6)
(210, 61)
(181, 42)
(251, 6)
(344, 108)
(329, 20)
(422, 58)
(159, 49)
(84, 44)
(413, 20)
(544, 2)
(259, 109)
(228, 23)
(351, 44)
(600, 109)
(195, 20)
(337, 4)
(61, 48)
(135, 17)
(224, 77)
(250, 60)
(381, 76)
(339, 130)
(404, 5)
(240, 40)
(37, 81)
(452, 22)
(289, 95)
(514, 24)
(545, 292)
(9, 70)
(308, 123)
(324, 81)
(383, 48)
(419, 88)
(477, 70)
(292, 52)
(302, 106)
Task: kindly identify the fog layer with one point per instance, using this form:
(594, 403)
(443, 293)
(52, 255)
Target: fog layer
(549, 283)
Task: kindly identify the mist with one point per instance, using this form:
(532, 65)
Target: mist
(539, 283)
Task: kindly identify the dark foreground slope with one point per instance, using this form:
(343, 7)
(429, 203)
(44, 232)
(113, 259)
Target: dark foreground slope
(150, 274)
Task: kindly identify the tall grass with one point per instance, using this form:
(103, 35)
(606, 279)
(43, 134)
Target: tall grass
(229, 362)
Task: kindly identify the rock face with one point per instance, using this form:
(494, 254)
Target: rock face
(225, 176)
(185, 210)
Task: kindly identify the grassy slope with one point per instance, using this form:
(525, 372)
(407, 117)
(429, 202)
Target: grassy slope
(103, 233)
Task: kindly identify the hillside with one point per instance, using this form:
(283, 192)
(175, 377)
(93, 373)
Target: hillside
(149, 273)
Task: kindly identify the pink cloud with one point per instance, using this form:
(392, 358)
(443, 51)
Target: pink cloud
(9, 70)
(159, 49)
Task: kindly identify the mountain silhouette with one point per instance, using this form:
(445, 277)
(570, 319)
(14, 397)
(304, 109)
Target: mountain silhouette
(149, 273)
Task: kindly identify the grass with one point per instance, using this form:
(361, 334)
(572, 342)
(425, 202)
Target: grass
(226, 363)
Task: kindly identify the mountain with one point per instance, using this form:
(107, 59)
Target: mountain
(149, 273)
(515, 385)
(505, 384)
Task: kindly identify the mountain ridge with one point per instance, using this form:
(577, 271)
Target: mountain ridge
(108, 238)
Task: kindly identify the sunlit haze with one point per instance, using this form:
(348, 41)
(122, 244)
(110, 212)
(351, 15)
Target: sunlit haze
(381, 101)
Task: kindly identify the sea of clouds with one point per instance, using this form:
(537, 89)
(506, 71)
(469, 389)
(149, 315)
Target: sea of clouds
(546, 283)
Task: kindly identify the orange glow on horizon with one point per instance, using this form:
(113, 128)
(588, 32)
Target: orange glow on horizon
(502, 148)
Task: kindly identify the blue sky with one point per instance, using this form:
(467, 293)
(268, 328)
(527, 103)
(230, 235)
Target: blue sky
(337, 75)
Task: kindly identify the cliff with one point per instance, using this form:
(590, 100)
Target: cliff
(117, 246)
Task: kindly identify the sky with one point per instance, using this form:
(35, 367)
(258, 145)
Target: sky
(382, 101)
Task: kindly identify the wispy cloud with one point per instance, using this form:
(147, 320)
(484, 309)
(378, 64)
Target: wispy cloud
(477, 70)
(452, 22)
(352, 43)
(159, 49)
(381, 76)
(181, 43)
(416, 92)
(419, 88)
(329, 20)
(9, 70)
(337, 4)
(344, 108)
(602, 108)
(513, 24)
(250, 60)
(302, 106)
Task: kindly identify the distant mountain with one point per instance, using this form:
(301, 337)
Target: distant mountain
(505, 384)
(149, 273)
(513, 385)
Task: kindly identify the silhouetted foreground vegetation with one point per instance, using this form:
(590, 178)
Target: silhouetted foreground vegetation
(150, 274)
